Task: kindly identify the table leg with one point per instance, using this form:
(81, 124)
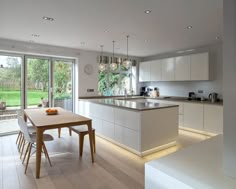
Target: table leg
(89, 124)
(39, 143)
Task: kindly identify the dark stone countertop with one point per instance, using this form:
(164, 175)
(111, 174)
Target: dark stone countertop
(131, 105)
(167, 98)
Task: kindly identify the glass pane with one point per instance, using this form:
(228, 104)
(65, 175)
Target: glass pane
(63, 86)
(103, 88)
(37, 82)
(10, 92)
(114, 88)
(125, 82)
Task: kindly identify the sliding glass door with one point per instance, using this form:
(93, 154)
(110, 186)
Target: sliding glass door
(10, 91)
(63, 84)
(37, 82)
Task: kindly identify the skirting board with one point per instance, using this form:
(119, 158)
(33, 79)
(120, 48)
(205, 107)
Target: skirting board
(197, 131)
(141, 154)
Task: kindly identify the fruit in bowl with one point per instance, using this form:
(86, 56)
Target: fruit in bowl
(51, 111)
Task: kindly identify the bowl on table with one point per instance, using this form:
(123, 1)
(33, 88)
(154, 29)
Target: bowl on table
(51, 111)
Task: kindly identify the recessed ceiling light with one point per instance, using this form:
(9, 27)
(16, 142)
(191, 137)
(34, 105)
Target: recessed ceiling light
(146, 41)
(190, 50)
(147, 11)
(106, 31)
(217, 37)
(189, 27)
(48, 18)
(35, 35)
(180, 52)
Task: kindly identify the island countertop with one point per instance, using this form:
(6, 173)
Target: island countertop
(132, 105)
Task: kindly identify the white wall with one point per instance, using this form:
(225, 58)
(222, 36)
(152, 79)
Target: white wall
(181, 88)
(229, 83)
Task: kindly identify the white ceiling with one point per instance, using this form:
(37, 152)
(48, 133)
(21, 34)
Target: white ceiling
(78, 21)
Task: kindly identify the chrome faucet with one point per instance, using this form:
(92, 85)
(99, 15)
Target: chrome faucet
(125, 92)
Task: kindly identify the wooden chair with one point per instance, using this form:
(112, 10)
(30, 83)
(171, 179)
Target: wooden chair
(31, 140)
(82, 131)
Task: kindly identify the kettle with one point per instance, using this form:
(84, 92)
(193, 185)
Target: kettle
(213, 97)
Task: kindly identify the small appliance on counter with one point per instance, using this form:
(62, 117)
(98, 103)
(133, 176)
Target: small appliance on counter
(213, 97)
(155, 93)
(191, 96)
(143, 91)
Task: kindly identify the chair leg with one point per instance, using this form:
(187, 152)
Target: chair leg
(18, 137)
(70, 131)
(81, 144)
(27, 149)
(20, 143)
(59, 132)
(22, 151)
(46, 154)
(28, 157)
(94, 142)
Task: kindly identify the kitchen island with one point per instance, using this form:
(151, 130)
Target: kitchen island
(140, 127)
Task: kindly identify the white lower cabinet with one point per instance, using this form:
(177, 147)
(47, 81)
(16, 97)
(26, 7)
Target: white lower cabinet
(119, 134)
(213, 119)
(131, 139)
(108, 129)
(193, 116)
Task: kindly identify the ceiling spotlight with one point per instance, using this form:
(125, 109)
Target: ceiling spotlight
(146, 41)
(189, 27)
(147, 11)
(48, 18)
(179, 52)
(106, 31)
(190, 50)
(217, 37)
(35, 35)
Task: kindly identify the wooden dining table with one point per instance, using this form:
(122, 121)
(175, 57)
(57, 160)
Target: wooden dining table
(42, 122)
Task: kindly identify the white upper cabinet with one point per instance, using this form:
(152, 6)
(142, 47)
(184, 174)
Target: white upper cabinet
(199, 66)
(155, 70)
(168, 69)
(144, 71)
(182, 68)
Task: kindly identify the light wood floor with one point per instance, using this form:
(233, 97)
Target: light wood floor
(114, 167)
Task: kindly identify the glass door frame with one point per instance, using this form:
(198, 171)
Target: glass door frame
(50, 82)
(53, 59)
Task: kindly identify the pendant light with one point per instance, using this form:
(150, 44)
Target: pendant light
(113, 64)
(127, 62)
(102, 66)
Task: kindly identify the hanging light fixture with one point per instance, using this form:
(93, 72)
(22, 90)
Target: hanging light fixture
(102, 66)
(113, 64)
(127, 62)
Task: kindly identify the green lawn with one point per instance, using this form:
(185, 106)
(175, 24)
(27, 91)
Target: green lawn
(13, 98)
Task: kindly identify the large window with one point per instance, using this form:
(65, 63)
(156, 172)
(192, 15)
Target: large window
(115, 82)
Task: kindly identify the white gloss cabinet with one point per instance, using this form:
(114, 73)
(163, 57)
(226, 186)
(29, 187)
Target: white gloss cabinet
(155, 70)
(144, 71)
(182, 68)
(213, 119)
(168, 69)
(141, 132)
(193, 116)
(199, 64)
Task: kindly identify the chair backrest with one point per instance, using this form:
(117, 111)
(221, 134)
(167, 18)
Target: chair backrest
(24, 128)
